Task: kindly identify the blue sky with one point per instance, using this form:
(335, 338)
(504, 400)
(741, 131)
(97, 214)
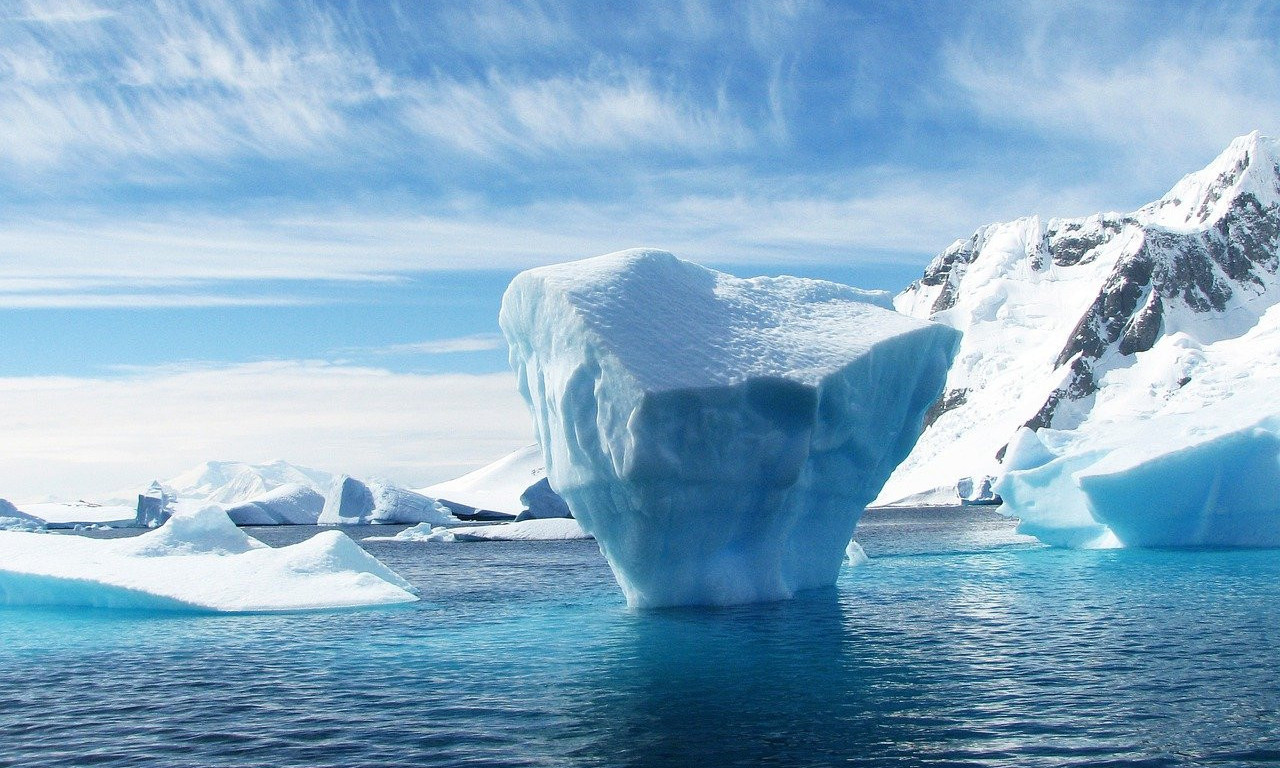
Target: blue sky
(340, 190)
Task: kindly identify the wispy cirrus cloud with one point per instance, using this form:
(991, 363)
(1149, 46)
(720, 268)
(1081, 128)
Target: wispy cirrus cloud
(1170, 98)
(478, 342)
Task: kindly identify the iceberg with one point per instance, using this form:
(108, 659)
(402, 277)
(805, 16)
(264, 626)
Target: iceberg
(1189, 458)
(1178, 481)
(352, 502)
(289, 504)
(13, 520)
(718, 436)
(541, 503)
(155, 505)
(507, 488)
(197, 561)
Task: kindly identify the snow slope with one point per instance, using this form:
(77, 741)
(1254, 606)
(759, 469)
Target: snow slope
(496, 487)
(288, 504)
(352, 502)
(231, 482)
(1054, 313)
(197, 561)
(1182, 449)
(718, 436)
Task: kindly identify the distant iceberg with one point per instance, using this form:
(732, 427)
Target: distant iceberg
(719, 437)
(197, 561)
(289, 504)
(513, 486)
(352, 502)
(13, 520)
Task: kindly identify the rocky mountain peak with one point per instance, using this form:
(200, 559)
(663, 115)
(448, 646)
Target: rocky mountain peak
(1250, 165)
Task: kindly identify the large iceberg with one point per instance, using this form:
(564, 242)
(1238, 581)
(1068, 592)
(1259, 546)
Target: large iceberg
(718, 436)
(197, 561)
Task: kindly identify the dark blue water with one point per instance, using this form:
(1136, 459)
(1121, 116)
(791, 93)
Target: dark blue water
(958, 645)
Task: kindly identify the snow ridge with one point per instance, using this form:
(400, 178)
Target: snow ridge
(1053, 311)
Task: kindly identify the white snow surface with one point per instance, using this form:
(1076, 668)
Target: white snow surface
(496, 487)
(718, 436)
(1018, 306)
(289, 504)
(1165, 458)
(72, 513)
(352, 502)
(419, 532)
(232, 482)
(13, 520)
(197, 561)
(550, 529)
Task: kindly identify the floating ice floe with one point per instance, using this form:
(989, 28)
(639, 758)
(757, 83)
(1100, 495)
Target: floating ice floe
(719, 437)
(549, 529)
(855, 554)
(197, 561)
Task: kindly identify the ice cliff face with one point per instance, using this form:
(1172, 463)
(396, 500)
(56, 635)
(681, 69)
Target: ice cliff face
(718, 436)
(1054, 313)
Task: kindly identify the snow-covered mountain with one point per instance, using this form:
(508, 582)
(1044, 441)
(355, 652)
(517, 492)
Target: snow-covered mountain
(1060, 316)
(231, 482)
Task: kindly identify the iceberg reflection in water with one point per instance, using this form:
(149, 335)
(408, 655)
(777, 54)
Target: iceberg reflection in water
(957, 643)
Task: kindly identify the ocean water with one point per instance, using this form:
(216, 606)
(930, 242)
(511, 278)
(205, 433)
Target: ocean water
(959, 644)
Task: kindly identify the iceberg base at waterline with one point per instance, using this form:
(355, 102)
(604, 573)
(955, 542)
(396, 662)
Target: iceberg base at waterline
(197, 561)
(1176, 482)
(718, 436)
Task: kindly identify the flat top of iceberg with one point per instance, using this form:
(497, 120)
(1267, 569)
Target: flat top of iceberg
(197, 561)
(675, 324)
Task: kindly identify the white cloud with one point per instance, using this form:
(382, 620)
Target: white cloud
(480, 342)
(891, 213)
(607, 108)
(80, 436)
(1155, 95)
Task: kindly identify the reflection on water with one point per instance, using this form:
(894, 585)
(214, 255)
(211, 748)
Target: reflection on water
(959, 644)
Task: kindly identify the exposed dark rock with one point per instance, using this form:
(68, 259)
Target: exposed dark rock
(952, 398)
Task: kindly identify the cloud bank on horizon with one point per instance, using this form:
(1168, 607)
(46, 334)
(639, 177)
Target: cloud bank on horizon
(221, 167)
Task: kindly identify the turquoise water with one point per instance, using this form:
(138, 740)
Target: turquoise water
(960, 644)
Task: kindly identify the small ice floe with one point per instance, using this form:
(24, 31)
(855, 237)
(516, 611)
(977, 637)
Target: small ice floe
(855, 555)
(551, 529)
(197, 561)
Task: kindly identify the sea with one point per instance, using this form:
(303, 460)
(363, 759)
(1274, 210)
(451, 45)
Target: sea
(960, 643)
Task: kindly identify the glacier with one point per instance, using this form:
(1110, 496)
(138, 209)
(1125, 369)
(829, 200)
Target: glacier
(718, 436)
(1095, 318)
(197, 561)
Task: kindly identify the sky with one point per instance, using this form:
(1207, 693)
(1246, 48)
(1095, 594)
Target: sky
(245, 229)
